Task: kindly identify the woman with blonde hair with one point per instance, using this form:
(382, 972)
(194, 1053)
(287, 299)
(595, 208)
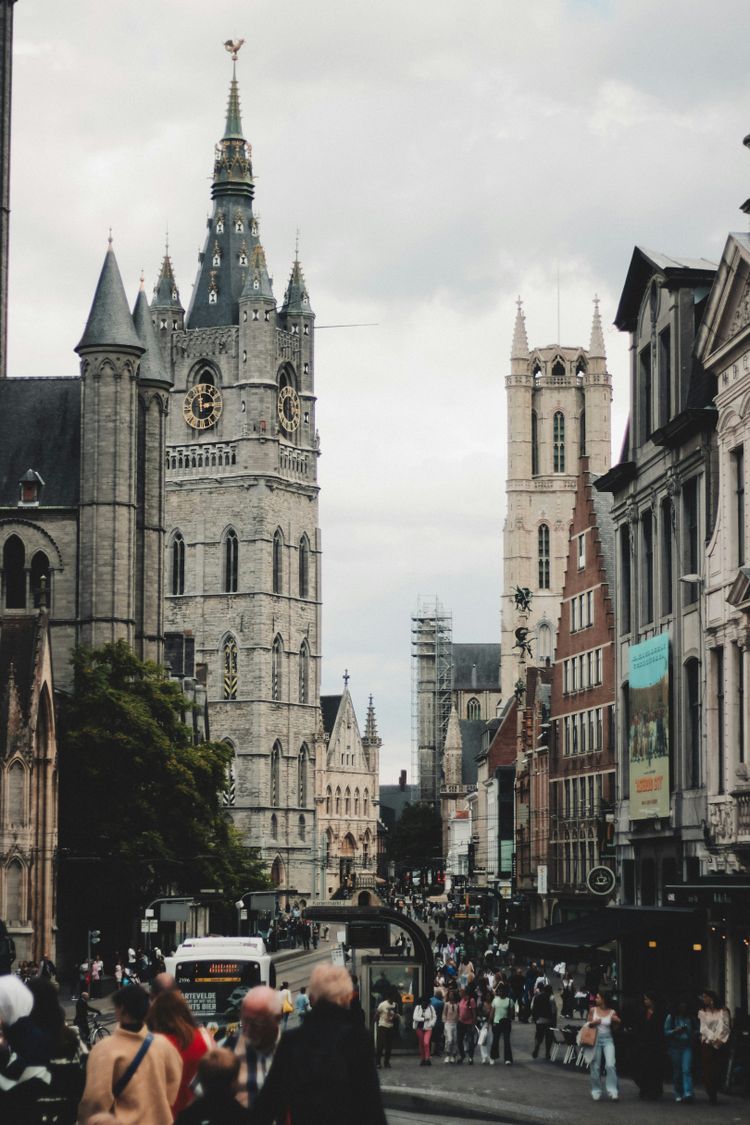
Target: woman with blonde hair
(170, 1015)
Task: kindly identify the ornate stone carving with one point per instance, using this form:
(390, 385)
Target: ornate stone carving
(721, 822)
(206, 341)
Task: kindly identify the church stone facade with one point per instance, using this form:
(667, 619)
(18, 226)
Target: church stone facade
(243, 550)
(559, 402)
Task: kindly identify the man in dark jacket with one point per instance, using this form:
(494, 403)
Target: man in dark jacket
(543, 1013)
(323, 1072)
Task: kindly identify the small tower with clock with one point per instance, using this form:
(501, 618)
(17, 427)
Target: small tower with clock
(243, 541)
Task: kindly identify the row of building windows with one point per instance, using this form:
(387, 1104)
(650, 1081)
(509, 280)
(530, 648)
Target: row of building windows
(230, 554)
(303, 759)
(582, 611)
(582, 672)
(24, 580)
(333, 802)
(301, 828)
(230, 670)
(580, 797)
(583, 733)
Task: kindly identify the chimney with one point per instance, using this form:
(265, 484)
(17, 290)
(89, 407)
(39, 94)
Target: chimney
(402, 780)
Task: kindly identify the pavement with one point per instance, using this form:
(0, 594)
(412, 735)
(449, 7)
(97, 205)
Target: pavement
(532, 1090)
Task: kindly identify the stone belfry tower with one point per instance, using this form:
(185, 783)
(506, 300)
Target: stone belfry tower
(558, 406)
(243, 543)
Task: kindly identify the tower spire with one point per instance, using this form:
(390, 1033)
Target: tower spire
(166, 293)
(371, 726)
(520, 349)
(233, 173)
(596, 347)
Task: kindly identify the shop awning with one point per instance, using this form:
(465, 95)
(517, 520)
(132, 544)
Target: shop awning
(592, 931)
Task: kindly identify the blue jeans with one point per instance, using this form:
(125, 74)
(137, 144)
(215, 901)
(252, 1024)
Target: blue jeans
(682, 1069)
(604, 1049)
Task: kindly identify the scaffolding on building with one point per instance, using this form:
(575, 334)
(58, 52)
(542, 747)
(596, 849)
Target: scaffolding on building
(431, 684)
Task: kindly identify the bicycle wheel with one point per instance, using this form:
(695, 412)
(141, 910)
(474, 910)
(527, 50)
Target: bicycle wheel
(99, 1032)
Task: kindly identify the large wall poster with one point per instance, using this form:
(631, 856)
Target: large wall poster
(648, 738)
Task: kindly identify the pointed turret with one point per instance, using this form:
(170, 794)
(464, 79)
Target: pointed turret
(371, 726)
(110, 324)
(166, 294)
(258, 283)
(452, 750)
(152, 370)
(596, 347)
(520, 348)
(296, 298)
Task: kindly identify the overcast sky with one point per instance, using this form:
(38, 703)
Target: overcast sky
(439, 157)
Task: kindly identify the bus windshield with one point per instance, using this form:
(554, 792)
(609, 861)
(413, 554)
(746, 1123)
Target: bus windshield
(214, 988)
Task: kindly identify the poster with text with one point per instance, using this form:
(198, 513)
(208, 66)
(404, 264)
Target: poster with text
(648, 737)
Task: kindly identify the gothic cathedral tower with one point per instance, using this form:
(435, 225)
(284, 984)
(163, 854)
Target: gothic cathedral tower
(243, 546)
(559, 401)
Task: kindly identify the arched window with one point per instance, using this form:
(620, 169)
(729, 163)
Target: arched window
(347, 801)
(365, 803)
(558, 442)
(543, 545)
(177, 564)
(17, 794)
(277, 653)
(231, 561)
(366, 849)
(301, 830)
(473, 709)
(40, 579)
(534, 444)
(278, 872)
(356, 802)
(275, 789)
(302, 777)
(14, 904)
(544, 640)
(229, 793)
(229, 668)
(328, 800)
(14, 574)
(304, 672)
(337, 805)
(274, 827)
(278, 561)
(304, 567)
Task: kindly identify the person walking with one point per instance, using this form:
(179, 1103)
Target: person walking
(387, 1013)
(25, 1075)
(605, 1019)
(502, 1014)
(423, 1021)
(450, 1026)
(467, 1026)
(256, 1042)
(323, 1071)
(287, 1007)
(543, 1013)
(649, 1051)
(715, 1029)
(680, 1031)
(170, 1015)
(301, 1005)
(134, 1070)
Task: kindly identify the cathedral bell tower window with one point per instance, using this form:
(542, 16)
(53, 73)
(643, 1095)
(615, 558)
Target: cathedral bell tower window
(558, 442)
(543, 551)
(229, 661)
(277, 653)
(231, 561)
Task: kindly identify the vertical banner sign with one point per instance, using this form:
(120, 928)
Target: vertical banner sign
(648, 738)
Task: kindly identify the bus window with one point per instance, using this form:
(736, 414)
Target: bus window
(215, 989)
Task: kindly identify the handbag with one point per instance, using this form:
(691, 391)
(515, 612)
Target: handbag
(587, 1036)
(483, 1034)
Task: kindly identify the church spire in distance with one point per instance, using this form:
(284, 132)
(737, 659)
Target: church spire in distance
(596, 347)
(166, 293)
(520, 349)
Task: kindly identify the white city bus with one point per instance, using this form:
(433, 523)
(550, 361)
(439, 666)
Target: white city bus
(214, 973)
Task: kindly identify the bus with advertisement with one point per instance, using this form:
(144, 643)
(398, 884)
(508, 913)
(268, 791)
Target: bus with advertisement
(214, 973)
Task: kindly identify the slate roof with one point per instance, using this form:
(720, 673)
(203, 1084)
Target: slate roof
(110, 323)
(486, 657)
(329, 709)
(152, 369)
(40, 429)
(471, 745)
(643, 265)
(603, 503)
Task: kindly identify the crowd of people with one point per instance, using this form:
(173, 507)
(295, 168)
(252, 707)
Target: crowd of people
(159, 1066)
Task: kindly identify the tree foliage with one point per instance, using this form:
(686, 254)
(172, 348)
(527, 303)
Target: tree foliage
(417, 838)
(140, 803)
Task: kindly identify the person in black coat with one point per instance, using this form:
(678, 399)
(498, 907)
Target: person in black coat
(323, 1072)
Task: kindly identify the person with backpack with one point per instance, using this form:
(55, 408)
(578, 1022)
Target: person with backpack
(135, 1071)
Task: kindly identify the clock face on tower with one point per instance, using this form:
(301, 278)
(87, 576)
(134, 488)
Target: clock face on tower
(289, 408)
(202, 406)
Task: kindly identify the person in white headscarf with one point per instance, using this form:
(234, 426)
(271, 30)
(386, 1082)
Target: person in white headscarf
(25, 1076)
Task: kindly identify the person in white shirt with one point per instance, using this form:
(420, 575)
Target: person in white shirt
(423, 1021)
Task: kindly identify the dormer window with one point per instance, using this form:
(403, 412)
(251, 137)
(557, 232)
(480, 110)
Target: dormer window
(174, 295)
(213, 296)
(256, 284)
(216, 260)
(254, 229)
(163, 324)
(239, 224)
(220, 224)
(243, 255)
(29, 489)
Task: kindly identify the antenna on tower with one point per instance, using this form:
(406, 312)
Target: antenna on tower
(558, 304)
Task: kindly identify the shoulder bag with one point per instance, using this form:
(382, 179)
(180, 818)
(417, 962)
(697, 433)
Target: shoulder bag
(135, 1062)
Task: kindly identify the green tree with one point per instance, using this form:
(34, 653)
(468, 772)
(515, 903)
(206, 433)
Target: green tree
(416, 841)
(140, 803)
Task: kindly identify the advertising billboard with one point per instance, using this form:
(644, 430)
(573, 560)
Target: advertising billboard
(648, 737)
